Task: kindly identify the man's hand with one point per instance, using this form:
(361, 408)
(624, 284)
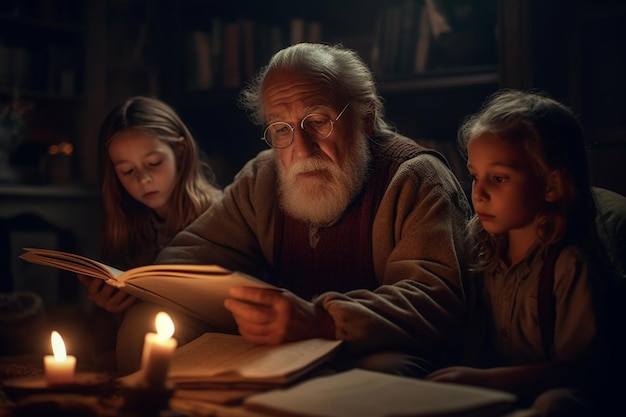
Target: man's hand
(270, 317)
(105, 296)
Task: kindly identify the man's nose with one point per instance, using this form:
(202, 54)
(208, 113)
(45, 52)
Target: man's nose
(302, 142)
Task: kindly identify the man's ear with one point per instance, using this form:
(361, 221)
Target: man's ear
(555, 186)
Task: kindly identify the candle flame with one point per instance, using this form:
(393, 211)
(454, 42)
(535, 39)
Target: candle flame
(58, 346)
(164, 325)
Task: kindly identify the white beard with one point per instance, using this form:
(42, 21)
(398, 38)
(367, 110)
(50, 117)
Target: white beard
(322, 200)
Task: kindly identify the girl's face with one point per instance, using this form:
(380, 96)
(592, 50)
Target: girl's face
(146, 167)
(506, 192)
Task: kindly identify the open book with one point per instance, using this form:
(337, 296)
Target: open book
(218, 360)
(196, 290)
(372, 394)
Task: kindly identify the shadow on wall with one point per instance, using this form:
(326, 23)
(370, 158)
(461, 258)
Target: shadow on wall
(31, 230)
(607, 166)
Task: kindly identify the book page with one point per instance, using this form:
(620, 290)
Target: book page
(195, 290)
(372, 394)
(192, 289)
(224, 357)
(71, 262)
(174, 269)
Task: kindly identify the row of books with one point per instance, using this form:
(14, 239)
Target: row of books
(229, 53)
(52, 69)
(409, 37)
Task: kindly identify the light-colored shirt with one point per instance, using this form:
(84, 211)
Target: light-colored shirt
(510, 297)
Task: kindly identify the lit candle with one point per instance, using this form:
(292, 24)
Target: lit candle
(158, 349)
(59, 367)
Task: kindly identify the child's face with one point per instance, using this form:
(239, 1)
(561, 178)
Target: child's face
(506, 192)
(146, 167)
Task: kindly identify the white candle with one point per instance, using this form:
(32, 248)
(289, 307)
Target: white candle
(158, 349)
(59, 367)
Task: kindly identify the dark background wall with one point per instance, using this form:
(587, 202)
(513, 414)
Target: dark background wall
(65, 63)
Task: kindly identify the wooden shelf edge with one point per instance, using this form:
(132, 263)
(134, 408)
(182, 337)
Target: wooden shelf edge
(53, 190)
(384, 86)
(41, 95)
(446, 81)
(55, 25)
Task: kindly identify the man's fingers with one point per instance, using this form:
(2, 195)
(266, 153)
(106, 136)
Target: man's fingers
(245, 311)
(267, 296)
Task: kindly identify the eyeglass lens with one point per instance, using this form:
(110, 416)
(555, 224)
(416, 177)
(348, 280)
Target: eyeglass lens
(316, 126)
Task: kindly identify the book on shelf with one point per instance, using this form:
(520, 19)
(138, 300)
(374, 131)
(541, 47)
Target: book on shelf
(297, 31)
(389, 40)
(196, 290)
(248, 54)
(217, 39)
(228, 361)
(231, 51)
(365, 393)
(231, 54)
(398, 38)
(200, 74)
(314, 30)
(422, 46)
(407, 39)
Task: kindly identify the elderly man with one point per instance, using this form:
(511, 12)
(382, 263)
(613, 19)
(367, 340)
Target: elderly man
(363, 229)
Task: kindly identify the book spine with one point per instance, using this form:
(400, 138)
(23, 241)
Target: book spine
(231, 74)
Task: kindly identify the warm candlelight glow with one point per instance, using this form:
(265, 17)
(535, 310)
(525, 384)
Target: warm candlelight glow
(164, 325)
(60, 366)
(58, 346)
(158, 349)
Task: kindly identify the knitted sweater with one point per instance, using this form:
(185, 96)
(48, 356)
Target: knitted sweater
(419, 248)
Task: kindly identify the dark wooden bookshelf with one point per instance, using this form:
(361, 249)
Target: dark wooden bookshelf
(130, 47)
(426, 105)
(42, 66)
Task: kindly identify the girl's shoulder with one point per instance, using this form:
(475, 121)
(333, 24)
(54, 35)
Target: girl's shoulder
(573, 265)
(564, 257)
(570, 253)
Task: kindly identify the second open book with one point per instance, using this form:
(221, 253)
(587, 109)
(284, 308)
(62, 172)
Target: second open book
(196, 290)
(228, 361)
(281, 382)
(363, 393)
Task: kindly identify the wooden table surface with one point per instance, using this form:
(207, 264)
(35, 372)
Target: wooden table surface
(111, 404)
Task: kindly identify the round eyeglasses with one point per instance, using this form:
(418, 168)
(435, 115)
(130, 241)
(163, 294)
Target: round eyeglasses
(317, 126)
